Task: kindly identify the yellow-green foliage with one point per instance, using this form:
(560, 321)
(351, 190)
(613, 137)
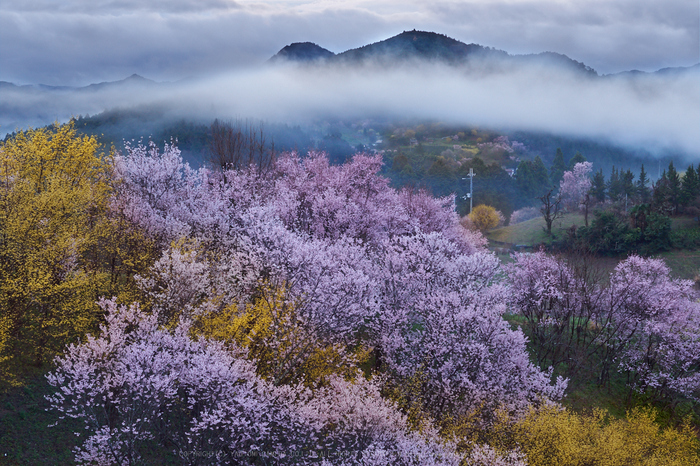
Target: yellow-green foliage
(552, 436)
(408, 396)
(475, 427)
(284, 348)
(54, 241)
(484, 217)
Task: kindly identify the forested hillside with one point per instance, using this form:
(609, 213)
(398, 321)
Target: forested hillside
(283, 310)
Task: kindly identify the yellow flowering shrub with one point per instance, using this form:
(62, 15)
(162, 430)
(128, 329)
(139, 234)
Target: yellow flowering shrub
(553, 436)
(59, 250)
(285, 349)
(484, 217)
(53, 191)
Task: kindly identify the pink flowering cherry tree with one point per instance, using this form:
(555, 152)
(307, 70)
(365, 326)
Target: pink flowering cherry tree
(142, 390)
(643, 323)
(361, 264)
(575, 187)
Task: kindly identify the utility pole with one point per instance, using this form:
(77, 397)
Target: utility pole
(471, 176)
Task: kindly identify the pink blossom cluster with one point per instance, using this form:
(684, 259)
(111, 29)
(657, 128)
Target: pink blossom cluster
(360, 263)
(575, 185)
(443, 320)
(138, 384)
(644, 323)
(501, 143)
(660, 318)
(524, 214)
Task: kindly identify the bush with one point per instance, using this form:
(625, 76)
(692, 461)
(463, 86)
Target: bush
(687, 238)
(555, 436)
(612, 235)
(524, 214)
(485, 217)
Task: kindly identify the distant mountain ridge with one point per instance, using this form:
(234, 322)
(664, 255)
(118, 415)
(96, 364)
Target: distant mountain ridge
(434, 47)
(416, 45)
(663, 71)
(134, 80)
(37, 105)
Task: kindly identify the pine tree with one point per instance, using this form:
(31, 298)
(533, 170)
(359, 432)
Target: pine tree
(558, 168)
(674, 186)
(532, 178)
(614, 185)
(578, 158)
(541, 172)
(598, 188)
(643, 192)
(661, 196)
(627, 183)
(690, 186)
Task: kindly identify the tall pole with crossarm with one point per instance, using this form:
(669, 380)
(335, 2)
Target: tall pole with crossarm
(471, 176)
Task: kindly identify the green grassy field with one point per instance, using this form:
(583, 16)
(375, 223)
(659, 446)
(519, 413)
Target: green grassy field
(533, 232)
(683, 264)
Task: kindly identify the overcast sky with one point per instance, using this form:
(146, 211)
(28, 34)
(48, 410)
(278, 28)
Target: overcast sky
(77, 42)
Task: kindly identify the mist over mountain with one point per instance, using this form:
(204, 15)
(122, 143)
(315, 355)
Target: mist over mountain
(39, 105)
(414, 74)
(422, 46)
(663, 72)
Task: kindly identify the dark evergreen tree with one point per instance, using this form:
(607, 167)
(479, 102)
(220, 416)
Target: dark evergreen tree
(556, 171)
(661, 196)
(643, 192)
(578, 158)
(532, 178)
(690, 188)
(541, 170)
(614, 186)
(628, 187)
(674, 186)
(598, 186)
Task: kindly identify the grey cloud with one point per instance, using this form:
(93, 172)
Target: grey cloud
(657, 112)
(110, 7)
(84, 42)
(36, 48)
(77, 41)
(610, 36)
(88, 49)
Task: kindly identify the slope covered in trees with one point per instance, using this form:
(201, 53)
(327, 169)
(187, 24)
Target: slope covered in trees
(300, 312)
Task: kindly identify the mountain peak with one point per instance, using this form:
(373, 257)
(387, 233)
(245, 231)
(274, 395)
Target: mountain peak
(416, 44)
(302, 52)
(133, 80)
(137, 77)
